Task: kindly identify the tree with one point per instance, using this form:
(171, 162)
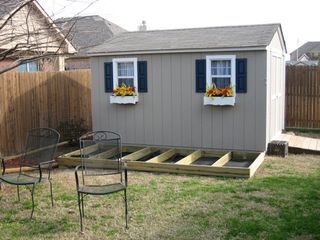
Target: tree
(28, 34)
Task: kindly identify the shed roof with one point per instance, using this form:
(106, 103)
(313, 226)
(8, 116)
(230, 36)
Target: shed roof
(247, 36)
(87, 31)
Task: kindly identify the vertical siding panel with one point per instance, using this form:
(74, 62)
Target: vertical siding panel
(96, 98)
(228, 131)
(250, 106)
(167, 100)
(148, 105)
(186, 63)
(176, 99)
(157, 99)
(130, 122)
(217, 127)
(196, 107)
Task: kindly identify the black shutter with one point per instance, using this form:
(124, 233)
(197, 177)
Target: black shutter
(108, 76)
(142, 76)
(241, 75)
(201, 75)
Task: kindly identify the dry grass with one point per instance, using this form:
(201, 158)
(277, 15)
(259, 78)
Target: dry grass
(281, 201)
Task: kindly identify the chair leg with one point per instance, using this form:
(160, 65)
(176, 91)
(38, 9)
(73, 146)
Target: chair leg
(51, 194)
(32, 198)
(79, 204)
(82, 205)
(126, 207)
(18, 192)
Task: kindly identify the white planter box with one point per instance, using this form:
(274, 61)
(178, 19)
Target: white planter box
(219, 101)
(124, 99)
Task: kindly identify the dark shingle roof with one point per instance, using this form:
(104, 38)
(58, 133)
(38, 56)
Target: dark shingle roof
(7, 6)
(88, 31)
(189, 39)
(307, 48)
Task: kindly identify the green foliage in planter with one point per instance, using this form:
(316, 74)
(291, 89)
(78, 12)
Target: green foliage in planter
(71, 130)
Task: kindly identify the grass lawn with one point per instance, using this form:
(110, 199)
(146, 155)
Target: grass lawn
(281, 202)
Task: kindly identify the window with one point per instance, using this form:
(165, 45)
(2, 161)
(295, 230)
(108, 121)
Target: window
(125, 72)
(220, 70)
(29, 67)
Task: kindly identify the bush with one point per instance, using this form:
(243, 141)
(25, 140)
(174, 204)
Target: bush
(71, 130)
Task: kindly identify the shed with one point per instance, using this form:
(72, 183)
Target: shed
(171, 71)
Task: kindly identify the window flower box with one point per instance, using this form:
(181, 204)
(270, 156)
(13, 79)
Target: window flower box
(124, 95)
(219, 96)
(219, 101)
(124, 99)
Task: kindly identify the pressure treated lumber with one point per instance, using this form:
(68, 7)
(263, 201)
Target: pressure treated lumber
(190, 158)
(162, 157)
(223, 160)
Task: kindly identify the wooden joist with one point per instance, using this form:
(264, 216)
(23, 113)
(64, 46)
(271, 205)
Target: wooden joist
(140, 154)
(190, 158)
(223, 160)
(162, 157)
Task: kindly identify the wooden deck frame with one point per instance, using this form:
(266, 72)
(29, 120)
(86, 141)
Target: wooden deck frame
(183, 166)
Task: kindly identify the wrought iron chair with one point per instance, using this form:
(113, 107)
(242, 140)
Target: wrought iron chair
(91, 175)
(40, 148)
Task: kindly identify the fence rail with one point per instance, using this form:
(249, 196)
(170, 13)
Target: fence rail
(303, 96)
(42, 99)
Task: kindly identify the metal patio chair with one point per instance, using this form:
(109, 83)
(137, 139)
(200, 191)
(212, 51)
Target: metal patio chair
(93, 177)
(41, 144)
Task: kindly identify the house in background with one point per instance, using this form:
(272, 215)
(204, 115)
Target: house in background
(171, 70)
(29, 33)
(306, 55)
(86, 32)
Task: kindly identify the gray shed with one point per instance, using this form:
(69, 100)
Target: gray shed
(172, 69)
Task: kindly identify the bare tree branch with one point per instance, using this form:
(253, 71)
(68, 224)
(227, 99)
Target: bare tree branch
(27, 35)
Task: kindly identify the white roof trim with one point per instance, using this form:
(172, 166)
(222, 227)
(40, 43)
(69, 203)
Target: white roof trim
(262, 48)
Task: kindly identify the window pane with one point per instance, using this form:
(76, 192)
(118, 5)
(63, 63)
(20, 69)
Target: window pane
(33, 66)
(221, 82)
(126, 81)
(125, 69)
(22, 67)
(221, 67)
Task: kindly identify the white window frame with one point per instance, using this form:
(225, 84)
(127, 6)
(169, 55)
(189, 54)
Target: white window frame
(209, 76)
(115, 62)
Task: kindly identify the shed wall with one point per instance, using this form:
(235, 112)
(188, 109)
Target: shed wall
(171, 113)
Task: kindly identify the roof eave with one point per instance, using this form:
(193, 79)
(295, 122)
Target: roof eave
(162, 51)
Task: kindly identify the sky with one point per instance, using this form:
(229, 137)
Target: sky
(299, 19)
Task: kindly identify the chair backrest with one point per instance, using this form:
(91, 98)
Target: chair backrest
(41, 145)
(101, 145)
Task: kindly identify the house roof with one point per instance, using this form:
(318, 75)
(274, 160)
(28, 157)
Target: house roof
(193, 39)
(88, 31)
(302, 63)
(305, 49)
(7, 6)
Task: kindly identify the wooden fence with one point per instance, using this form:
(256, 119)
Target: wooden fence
(303, 96)
(42, 99)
